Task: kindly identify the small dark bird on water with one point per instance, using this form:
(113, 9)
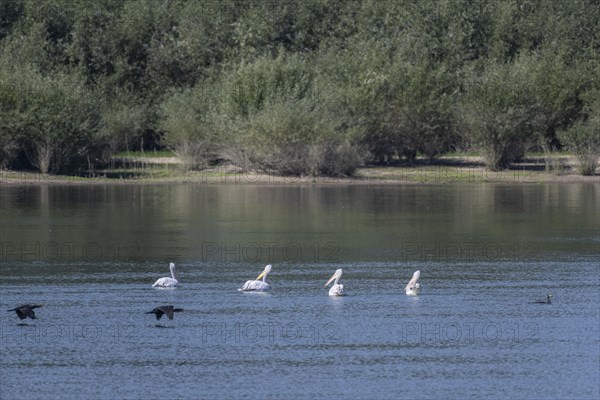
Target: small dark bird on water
(547, 301)
(26, 310)
(168, 310)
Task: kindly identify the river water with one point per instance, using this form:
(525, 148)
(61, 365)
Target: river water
(486, 253)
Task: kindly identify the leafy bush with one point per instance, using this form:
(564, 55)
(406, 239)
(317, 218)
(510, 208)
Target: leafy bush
(293, 138)
(248, 87)
(188, 126)
(80, 81)
(583, 138)
(54, 119)
(557, 87)
(9, 125)
(276, 119)
(123, 123)
(497, 113)
(401, 108)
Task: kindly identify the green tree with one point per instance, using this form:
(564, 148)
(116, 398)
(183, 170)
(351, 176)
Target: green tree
(9, 121)
(583, 137)
(557, 87)
(55, 120)
(388, 72)
(10, 13)
(498, 111)
(188, 125)
(278, 118)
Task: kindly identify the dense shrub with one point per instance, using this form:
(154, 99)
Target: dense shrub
(400, 108)
(188, 126)
(53, 119)
(81, 80)
(9, 123)
(293, 138)
(497, 112)
(278, 119)
(583, 138)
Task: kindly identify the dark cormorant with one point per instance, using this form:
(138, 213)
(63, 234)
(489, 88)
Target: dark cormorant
(168, 310)
(547, 301)
(26, 310)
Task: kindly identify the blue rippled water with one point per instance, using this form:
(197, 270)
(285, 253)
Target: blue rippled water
(475, 332)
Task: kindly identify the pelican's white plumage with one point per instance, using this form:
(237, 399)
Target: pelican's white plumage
(337, 289)
(168, 281)
(414, 287)
(258, 285)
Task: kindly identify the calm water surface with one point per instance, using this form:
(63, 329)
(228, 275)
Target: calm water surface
(486, 253)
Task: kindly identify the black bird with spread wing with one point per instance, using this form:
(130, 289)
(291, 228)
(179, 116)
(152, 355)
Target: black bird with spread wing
(26, 310)
(168, 310)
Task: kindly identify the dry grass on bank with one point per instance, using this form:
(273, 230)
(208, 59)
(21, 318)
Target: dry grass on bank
(446, 170)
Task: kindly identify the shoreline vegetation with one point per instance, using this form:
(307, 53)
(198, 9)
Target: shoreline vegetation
(163, 168)
(316, 89)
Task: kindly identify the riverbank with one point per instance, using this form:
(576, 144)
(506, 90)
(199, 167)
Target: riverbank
(446, 170)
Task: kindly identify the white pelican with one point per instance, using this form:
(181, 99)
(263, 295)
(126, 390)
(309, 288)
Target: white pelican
(337, 289)
(168, 310)
(166, 281)
(414, 287)
(26, 310)
(257, 285)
